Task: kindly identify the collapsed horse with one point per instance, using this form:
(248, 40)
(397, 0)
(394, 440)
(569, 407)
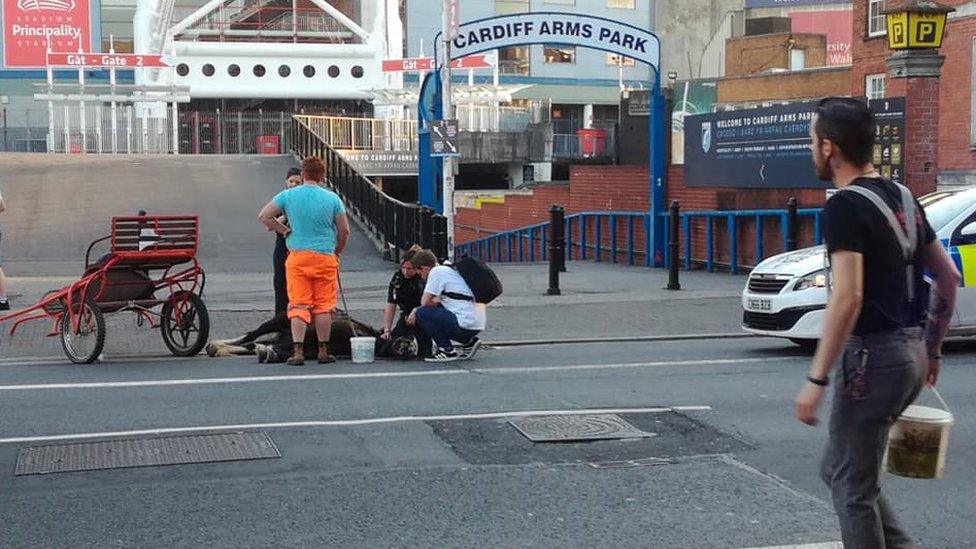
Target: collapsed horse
(271, 341)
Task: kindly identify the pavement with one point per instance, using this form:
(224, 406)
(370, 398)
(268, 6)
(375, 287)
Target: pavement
(395, 454)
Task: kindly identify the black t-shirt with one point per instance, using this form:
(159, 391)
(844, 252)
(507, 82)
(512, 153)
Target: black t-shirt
(854, 224)
(405, 292)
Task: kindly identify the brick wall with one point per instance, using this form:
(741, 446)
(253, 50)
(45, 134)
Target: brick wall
(794, 85)
(753, 54)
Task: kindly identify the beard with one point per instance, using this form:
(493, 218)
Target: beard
(823, 169)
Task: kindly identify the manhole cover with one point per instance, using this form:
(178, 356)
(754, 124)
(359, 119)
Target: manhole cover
(144, 452)
(576, 427)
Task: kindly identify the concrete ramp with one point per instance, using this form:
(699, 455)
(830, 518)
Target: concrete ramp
(58, 204)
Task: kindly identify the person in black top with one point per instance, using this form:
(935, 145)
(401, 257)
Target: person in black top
(292, 179)
(406, 288)
(879, 244)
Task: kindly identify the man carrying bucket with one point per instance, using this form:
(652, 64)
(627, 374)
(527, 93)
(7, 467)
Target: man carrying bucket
(316, 234)
(879, 244)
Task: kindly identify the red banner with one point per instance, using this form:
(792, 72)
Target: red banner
(31, 26)
(422, 64)
(836, 24)
(119, 60)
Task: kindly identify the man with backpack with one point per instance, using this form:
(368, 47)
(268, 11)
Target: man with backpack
(450, 310)
(879, 245)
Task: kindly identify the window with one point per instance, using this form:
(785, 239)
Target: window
(559, 54)
(874, 86)
(798, 60)
(876, 19)
(505, 7)
(514, 60)
(622, 4)
(615, 60)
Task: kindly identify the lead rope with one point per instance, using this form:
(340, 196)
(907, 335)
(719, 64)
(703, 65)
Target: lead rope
(345, 306)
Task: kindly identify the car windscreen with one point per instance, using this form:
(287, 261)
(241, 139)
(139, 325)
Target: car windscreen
(941, 208)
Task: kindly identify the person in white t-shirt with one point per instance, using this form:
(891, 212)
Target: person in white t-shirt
(4, 304)
(448, 312)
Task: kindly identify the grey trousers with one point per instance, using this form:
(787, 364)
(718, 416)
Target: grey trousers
(879, 376)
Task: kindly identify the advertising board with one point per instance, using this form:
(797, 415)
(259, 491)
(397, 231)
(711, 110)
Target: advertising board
(769, 147)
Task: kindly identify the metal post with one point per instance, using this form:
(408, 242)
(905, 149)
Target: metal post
(426, 229)
(656, 142)
(673, 283)
(791, 224)
(115, 115)
(81, 108)
(128, 129)
(50, 106)
(176, 128)
(448, 114)
(557, 246)
(67, 128)
(240, 133)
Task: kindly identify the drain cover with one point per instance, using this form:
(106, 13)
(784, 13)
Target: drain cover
(144, 452)
(578, 427)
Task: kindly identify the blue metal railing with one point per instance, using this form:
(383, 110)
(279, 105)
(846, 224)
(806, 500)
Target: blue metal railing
(623, 237)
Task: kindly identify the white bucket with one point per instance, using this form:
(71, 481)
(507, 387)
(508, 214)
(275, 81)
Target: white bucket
(363, 349)
(917, 443)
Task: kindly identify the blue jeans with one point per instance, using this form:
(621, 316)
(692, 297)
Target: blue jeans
(441, 325)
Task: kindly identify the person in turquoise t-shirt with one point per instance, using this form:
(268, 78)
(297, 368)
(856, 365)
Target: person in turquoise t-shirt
(316, 234)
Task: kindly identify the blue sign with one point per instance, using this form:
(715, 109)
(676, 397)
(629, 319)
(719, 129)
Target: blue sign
(769, 147)
(790, 3)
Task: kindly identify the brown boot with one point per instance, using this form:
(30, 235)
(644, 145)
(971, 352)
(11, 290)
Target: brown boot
(324, 356)
(297, 355)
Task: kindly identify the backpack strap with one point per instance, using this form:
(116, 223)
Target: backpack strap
(907, 236)
(461, 297)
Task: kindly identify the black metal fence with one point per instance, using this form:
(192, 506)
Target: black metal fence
(397, 224)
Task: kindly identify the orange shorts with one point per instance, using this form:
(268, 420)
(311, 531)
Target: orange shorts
(312, 280)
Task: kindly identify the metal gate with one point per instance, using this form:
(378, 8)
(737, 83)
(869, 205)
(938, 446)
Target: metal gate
(127, 129)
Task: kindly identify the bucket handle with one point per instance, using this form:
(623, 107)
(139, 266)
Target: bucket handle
(941, 400)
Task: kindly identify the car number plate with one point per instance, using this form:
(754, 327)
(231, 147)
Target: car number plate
(760, 305)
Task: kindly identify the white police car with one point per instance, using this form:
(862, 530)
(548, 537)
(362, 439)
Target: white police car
(786, 294)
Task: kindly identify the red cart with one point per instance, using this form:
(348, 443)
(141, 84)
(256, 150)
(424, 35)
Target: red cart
(152, 263)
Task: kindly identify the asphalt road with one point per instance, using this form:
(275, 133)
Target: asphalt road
(409, 455)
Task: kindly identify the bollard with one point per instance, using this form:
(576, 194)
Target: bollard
(791, 224)
(557, 247)
(673, 233)
(426, 228)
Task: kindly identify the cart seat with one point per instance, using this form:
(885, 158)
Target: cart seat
(155, 241)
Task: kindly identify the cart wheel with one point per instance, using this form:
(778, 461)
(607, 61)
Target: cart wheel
(84, 345)
(185, 324)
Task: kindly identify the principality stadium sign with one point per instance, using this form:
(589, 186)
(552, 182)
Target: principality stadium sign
(30, 27)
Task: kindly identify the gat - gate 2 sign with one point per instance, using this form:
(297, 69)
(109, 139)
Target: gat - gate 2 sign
(30, 27)
(557, 28)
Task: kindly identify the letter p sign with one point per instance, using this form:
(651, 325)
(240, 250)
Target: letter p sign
(898, 33)
(925, 31)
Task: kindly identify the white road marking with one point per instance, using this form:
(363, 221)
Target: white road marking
(825, 545)
(353, 422)
(381, 375)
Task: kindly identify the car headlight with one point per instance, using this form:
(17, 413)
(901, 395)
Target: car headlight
(817, 279)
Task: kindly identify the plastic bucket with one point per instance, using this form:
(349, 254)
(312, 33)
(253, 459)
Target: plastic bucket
(363, 349)
(917, 443)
